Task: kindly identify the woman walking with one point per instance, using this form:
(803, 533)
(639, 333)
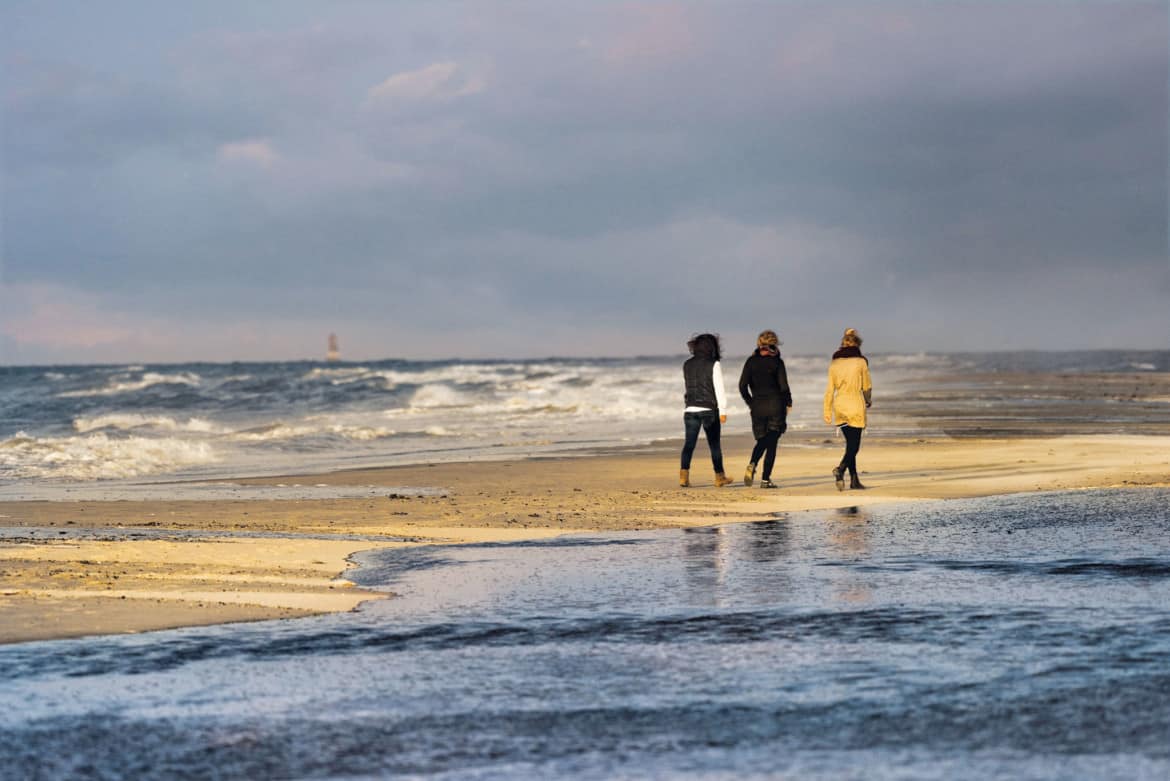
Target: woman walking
(763, 383)
(846, 400)
(706, 405)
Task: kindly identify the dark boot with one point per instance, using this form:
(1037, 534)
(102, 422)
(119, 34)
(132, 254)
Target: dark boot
(855, 483)
(839, 477)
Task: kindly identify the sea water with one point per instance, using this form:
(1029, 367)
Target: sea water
(107, 427)
(1011, 637)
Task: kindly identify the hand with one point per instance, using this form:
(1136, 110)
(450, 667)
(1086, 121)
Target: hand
(828, 419)
(722, 418)
(867, 404)
(790, 408)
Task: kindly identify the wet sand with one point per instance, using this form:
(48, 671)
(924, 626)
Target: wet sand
(78, 568)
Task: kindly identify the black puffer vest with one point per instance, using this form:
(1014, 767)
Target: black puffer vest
(700, 385)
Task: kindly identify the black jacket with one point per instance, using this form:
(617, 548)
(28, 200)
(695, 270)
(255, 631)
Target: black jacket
(764, 386)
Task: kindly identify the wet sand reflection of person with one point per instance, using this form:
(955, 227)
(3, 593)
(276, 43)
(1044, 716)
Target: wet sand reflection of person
(764, 548)
(848, 533)
(736, 561)
(705, 563)
(767, 540)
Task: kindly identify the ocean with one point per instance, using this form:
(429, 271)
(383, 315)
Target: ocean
(1017, 637)
(112, 427)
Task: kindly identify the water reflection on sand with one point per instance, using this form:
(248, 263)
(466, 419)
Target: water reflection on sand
(1016, 637)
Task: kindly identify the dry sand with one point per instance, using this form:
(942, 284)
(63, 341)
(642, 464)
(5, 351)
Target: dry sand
(64, 583)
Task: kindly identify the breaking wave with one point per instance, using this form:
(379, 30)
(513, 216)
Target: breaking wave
(99, 456)
(118, 384)
(131, 421)
(93, 422)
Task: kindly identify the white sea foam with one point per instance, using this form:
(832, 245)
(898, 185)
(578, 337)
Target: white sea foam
(473, 406)
(464, 374)
(273, 432)
(97, 456)
(129, 421)
(343, 376)
(909, 360)
(125, 385)
(310, 428)
(363, 433)
(470, 410)
(457, 374)
(439, 431)
(339, 372)
(393, 378)
(433, 396)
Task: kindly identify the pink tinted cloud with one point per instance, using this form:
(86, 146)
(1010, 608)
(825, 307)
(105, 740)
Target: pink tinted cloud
(49, 316)
(437, 81)
(254, 151)
(653, 33)
(65, 324)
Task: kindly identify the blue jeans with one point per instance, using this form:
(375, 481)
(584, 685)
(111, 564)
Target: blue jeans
(707, 420)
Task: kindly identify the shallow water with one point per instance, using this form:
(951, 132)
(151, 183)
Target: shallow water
(1019, 637)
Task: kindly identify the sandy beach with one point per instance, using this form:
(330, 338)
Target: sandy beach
(104, 567)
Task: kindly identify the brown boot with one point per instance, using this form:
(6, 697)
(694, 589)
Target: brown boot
(722, 480)
(684, 478)
(749, 475)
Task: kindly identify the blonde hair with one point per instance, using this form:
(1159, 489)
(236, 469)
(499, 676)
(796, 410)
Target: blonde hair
(767, 338)
(851, 338)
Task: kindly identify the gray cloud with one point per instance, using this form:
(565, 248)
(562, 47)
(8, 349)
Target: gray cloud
(469, 169)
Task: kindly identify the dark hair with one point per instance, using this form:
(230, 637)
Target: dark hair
(705, 346)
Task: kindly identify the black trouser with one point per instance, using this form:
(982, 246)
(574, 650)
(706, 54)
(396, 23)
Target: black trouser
(852, 445)
(766, 447)
(708, 420)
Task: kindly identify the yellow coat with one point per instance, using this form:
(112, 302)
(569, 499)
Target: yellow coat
(848, 392)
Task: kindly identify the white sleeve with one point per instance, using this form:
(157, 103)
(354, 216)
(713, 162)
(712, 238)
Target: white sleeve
(720, 392)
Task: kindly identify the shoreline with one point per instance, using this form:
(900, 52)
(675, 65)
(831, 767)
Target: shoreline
(116, 566)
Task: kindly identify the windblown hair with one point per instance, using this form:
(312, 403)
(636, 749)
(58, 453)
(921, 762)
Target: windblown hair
(851, 338)
(767, 338)
(705, 346)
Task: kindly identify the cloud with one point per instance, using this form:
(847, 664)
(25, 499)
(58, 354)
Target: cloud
(55, 323)
(441, 81)
(60, 117)
(54, 318)
(298, 75)
(648, 34)
(252, 152)
(728, 162)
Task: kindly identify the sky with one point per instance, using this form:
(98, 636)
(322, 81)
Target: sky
(237, 180)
